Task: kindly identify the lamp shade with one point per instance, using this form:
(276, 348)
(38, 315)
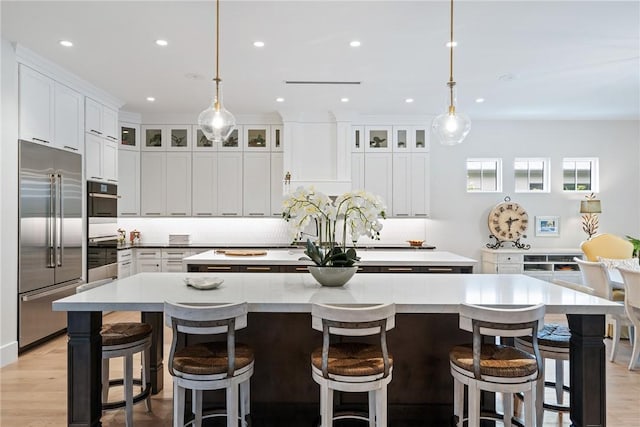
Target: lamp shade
(590, 206)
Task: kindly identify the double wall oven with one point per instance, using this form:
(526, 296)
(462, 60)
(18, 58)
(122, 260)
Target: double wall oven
(102, 247)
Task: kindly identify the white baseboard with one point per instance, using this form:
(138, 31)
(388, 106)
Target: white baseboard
(8, 353)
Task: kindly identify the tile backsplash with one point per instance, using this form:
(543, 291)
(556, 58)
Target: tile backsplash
(248, 231)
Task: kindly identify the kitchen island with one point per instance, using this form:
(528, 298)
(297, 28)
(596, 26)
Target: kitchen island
(371, 261)
(280, 331)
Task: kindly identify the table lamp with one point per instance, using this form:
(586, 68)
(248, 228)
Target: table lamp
(590, 209)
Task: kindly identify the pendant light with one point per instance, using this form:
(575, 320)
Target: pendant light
(451, 127)
(217, 122)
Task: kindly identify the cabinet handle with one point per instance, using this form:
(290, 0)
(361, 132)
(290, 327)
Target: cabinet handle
(152, 213)
(178, 213)
(112, 138)
(175, 253)
(113, 180)
(302, 269)
(147, 253)
(256, 214)
(96, 177)
(126, 263)
(128, 213)
(258, 268)
(399, 269)
(174, 261)
(217, 268)
(70, 148)
(421, 214)
(204, 213)
(229, 214)
(401, 214)
(440, 269)
(41, 140)
(95, 131)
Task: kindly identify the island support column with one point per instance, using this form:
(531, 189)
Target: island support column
(84, 365)
(157, 345)
(588, 371)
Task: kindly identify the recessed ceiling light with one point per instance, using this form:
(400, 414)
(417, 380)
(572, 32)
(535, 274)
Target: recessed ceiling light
(451, 44)
(354, 43)
(479, 100)
(408, 100)
(161, 42)
(344, 99)
(279, 99)
(258, 43)
(150, 98)
(65, 43)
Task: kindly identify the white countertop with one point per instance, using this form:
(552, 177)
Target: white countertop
(373, 257)
(295, 292)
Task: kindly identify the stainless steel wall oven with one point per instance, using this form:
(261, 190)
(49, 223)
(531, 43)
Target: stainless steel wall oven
(102, 245)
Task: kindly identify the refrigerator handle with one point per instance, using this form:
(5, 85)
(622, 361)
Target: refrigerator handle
(61, 224)
(51, 222)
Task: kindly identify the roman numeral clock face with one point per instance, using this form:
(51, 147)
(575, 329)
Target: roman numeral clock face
(508, 221)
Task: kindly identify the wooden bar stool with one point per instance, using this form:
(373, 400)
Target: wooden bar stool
(124, 339)
(215, 365)
(353, 366)
(496, 368)
(553, 343)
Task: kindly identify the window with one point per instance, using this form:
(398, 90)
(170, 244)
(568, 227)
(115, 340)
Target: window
(580, 174)
(484, 175)
(531, 175)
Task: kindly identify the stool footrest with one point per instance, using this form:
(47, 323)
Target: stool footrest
(121, 403)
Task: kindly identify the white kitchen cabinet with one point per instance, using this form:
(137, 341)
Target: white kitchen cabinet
(36, 106)
(257, 137)
(357, 139)
(110, 124)
(177, 184)
(148, 260)
(93, 117)
(152, 189)
(413, 139)
(420, 184)
(199, 140)
(129, 183)
(402, 183)
(378, 176)
(204, 184)
(277, 181)
(154, 138)
(129, 136)
(256, 184)
(125, 263)
(178, 137)
(277, 141)
(235, 141)
(545, 264)
(68, 118)
(378, 139)
(230, 183)
(172, 259)
(357, 171)
(101, 159)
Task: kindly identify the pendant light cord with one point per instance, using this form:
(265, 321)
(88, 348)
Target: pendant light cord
(217, 79)
(451, 83)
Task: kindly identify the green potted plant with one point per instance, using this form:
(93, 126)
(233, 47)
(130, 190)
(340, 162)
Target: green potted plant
(636, 245)
(353, 214)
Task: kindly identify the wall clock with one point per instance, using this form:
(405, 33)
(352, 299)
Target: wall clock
(508, 222)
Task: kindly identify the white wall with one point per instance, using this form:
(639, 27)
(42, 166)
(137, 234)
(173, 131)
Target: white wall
(459, 219)
(8, 205)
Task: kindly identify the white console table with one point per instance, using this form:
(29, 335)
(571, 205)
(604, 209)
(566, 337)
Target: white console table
(541, 263)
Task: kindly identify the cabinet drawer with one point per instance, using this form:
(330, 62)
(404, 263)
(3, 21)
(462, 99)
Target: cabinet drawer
(175, 253)
(125, 255)
(172, 265)
(148, 253)
(510, 258)
(198, 268)
(509, 269)
(259, 269)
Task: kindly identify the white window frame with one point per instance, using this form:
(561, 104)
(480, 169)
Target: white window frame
(497, 161)
(595, 174)
(546, 162)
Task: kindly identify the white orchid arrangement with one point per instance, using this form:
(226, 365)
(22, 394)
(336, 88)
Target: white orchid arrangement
(354, 213)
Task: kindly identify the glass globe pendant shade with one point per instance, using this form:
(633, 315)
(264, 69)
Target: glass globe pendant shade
(217, 122)
(452, 127)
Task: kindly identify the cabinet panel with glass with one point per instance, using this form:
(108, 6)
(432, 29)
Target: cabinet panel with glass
(257, 137)
(378, 139)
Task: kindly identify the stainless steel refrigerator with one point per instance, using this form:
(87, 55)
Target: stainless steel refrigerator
(50, 234)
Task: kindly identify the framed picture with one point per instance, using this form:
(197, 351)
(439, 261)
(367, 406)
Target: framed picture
(548, 226)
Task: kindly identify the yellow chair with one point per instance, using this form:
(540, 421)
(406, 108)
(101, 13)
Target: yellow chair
(607, 246)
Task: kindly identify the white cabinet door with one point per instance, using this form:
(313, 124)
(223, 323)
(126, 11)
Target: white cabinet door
(204, 182)
(257, 137)
(420, 184)
(110, 160)
(277, 176)
(129, 183)
(357, 171)
(172, 265)
(178, 184)
(152, 188)
(378, 176)
(36, 106)
(110, 123)
(401, 184)
(93, 117)
(149, 266)
(230, 183)
(378, 139)
(256, 184)
(125, 269)
(68, 118)
(93, 157)
(179, 137)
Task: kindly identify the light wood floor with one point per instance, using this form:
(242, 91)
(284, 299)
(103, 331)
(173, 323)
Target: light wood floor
(33, 390)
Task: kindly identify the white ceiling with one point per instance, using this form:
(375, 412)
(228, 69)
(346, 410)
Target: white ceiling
(529, 60)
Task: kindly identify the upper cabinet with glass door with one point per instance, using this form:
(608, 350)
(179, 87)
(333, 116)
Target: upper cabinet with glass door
(166, 137)
(410, 139)
(200, 141)
(357, 139)
(153, 138)
(257, 138)
(277, 138)
(179, 137)
(234, 142)
(129, 136)
(378, 139)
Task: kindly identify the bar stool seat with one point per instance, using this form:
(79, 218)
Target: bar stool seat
(553, 343)
(351, 360)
